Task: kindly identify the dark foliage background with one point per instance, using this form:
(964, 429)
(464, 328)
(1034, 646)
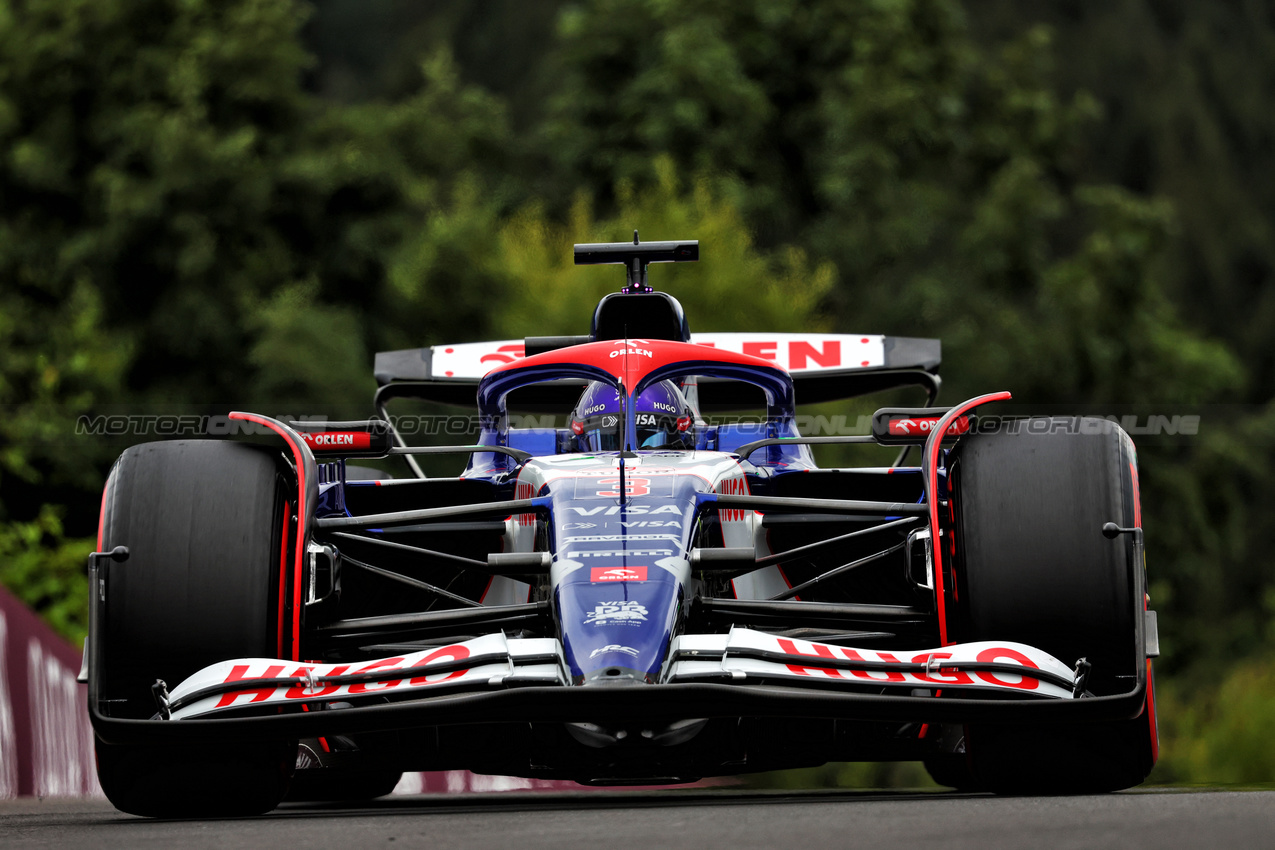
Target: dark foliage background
(206, 205)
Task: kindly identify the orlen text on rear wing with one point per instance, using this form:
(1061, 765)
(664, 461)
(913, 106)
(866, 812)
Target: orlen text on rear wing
(824, 367)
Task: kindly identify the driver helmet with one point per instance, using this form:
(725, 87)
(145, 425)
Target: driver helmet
(663, 416)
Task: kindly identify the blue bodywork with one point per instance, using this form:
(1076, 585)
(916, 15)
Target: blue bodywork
(621, 578)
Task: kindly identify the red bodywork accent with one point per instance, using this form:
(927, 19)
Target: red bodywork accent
(240, 671)
(298, 455)
(323, 742)
(617, 574)
(1154, 732)
(1150, 709)
(1137, 496)
(633, 359)
(951, 538)
(787, 580)
(925, 727)
(829, 356)
(283, 569)
(933, 445)
(506, 354)
(101, 516)
(338, 441)
(903, 426)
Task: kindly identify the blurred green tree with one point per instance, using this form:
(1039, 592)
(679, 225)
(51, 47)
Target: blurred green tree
(184, 226)
(177, 212)
(942, 178)
(45, 569)
(1184, 89)
(735, 286)
(937, 176)
(184, 222)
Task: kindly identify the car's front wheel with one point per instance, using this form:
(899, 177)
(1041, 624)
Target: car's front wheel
(1033, 566)
(206, 526)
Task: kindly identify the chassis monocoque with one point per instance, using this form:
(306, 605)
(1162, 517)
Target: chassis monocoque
(268, 614)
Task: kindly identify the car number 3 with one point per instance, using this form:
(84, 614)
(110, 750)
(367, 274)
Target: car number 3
(610, 487)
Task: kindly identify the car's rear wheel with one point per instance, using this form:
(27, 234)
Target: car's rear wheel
(1033, 566)
(205, 525)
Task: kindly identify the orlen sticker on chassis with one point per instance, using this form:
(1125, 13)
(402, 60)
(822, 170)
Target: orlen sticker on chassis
(617, 574)
(491, 656)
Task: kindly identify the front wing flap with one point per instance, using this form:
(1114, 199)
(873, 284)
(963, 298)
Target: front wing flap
(746, 655)
(493, 662)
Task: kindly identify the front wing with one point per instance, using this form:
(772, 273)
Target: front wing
(743, 658)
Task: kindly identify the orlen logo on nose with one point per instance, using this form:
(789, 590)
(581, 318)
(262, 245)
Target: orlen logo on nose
(617, 574)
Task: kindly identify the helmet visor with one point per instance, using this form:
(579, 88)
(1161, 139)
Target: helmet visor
(602, 433)
(598, 433)
(664, 432)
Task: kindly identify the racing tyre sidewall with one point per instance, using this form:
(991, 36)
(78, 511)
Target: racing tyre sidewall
(1033, 566)
(205, 525)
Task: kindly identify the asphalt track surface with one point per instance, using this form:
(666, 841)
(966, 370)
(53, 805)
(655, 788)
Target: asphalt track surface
(688, 819)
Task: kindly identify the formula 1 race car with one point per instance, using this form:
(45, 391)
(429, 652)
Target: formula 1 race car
(637, 597)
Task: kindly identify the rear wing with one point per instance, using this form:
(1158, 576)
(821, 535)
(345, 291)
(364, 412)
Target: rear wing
(824, 367)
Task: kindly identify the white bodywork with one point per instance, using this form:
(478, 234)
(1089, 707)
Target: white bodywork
(499, 662)
(796, 352)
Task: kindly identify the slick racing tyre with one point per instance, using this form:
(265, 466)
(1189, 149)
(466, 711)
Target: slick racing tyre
(1033, 566)
(204, 523)
(336, 785)
(341, 768)
(953, 771)
(162, 781)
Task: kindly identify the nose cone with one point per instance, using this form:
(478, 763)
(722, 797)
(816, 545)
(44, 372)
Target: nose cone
(617, 622)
